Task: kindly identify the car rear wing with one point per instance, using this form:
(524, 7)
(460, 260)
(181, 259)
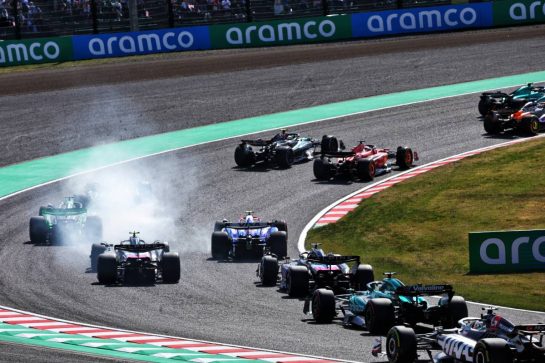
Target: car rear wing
(334, 260)
(419, 289)
(528, 329)
(336, 154)
(62, 212)
(145, 247)
(258, 142)
(248, 225)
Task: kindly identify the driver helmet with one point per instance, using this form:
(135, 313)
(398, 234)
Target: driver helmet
(134, 240)
(316, 253)
(249, 218)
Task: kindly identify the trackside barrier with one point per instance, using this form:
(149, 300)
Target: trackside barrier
(507, 251)
(275, 32)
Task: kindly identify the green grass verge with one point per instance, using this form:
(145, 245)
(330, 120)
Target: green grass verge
(419, 228)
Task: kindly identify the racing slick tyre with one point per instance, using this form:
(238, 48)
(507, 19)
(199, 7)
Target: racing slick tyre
(93, 229)
(379, 316)
(404, 157)
(297, 281)
(323, 306)
(322, 169)
(401, 345)
(220, 245)
(366, 169)
(83, 199)
(38, 230)
(107, 268)
(268, 271)
(456, 310)
(284, 156)
(278, 243)
(329, 144)
(362, 275)
(170, 267)
(530, 125)
(281, 225)
(492, 350)
(491, 123)
(244, 156)
(484, 106)
(218, 226)
(96, 250)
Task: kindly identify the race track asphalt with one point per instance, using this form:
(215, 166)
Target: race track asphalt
(220, 301)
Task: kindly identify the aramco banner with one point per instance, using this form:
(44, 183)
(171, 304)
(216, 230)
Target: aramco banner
(518, 12)
(34, 51)
(507, 251)
(421, 20)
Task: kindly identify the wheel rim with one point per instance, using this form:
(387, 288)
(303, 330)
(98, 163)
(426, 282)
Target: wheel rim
(479, 357)
(408, 157)
(391, 347)
(534, 126)
(372, 169)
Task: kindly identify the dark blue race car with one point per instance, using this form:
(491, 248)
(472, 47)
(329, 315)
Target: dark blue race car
(249, 237)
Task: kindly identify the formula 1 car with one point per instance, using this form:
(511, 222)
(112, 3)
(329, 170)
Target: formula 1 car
(249, 236)
(496, 100)
(489, 339)
(312, 270)
(530, 119)
(283, 149)
(386, 303)
(134, 260)
(362, 161)
(68, 222)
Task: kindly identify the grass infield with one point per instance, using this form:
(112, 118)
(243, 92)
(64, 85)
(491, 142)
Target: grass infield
(419, 228)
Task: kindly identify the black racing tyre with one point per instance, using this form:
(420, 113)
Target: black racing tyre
(366, 169)
(322, 169)
(492, 350)
(484, 105)
(401, 345)
(456, 310)
(221, 244)
(379, 316)
(297, 281)
(56, 235)
(281, 225)
(96, 250)
(329, 144)
(107, 268)
(362, 275)
(218, 226)
(269, 270)
(38, 229)
(404, 157)
(170, 267)
(93, 228)
(244, 156)
(284, 156)
(530, 125)
(83, 199)
(491, 123)
(278, 243)
(323, 306)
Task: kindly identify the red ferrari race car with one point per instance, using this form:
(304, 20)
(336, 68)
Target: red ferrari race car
(363, 161)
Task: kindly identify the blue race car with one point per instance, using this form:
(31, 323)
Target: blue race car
(387, 303)
(314, 269)
(249, 237)
(530, 119)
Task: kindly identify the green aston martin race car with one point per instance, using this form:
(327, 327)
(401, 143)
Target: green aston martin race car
(69, 222)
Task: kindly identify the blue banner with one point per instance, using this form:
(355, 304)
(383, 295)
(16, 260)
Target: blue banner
(144, 42)
(421, 20)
